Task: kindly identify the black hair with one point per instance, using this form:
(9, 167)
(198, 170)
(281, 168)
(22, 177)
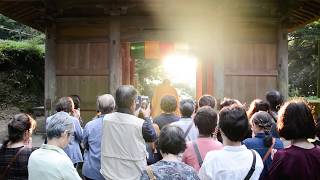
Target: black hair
(76, 100)
(228, 102)
(171, 140)
(168, 104)
(186, 108)
(295, 120)
(275, 100)
(206, 120)
(125, 96)
(207, 100)
(233, 122)
(64, 104)
(258, 105)
(264, 120)
(17, 127)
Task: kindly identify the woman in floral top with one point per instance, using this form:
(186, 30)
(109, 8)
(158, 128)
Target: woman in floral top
(171, 142)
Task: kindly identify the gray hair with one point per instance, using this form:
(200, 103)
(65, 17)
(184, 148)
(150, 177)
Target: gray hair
(105, 103)
(64, 104)
(58, 124)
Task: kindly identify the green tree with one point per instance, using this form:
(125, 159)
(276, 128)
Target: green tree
(148, 72)
(303, 60)
(12, 30)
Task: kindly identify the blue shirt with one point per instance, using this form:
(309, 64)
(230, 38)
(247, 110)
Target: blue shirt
(92, 134)
(257, 144)
(73, 148)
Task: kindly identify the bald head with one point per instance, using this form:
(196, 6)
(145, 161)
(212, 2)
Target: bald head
(105, 103)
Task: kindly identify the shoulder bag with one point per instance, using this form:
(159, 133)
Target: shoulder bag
(269, 151)
(3, 175)
(188, 130)
(252, 166)
(196, 149)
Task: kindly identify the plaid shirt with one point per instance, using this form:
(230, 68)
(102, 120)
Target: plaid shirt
(19, 168)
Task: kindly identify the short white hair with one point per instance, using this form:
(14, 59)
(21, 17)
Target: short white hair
(105, 103)
(58, 124)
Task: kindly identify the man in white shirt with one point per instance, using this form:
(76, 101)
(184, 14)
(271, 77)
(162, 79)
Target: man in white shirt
(234, 161)
(186, 122)
(123, 149)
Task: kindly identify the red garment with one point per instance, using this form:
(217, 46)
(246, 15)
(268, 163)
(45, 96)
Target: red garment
(296, 163)
(204, 145)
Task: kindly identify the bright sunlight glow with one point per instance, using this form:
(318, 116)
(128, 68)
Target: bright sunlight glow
(181, 68)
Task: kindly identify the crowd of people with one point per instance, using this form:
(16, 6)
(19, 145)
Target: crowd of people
(185, 140)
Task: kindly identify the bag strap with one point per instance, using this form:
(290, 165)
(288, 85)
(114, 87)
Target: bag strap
(196, 149)
(150, 173)
(269, 151)
(189, 128)
(252, 166)
(10, 163)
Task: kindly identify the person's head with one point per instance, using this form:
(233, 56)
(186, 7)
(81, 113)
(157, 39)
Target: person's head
(60, 128)
(20, 128)
(166, 82)
(65, 104)
(228, 102)
(206, 120)
(125, 97)
(295, 121)
(105, 103)
(171, 140)
(233, 122)
(76, 100)
(168, 104)
(207, 100)
(275, 100)
(258, 105)
(262, 121)
(144, 104)
(186, 108)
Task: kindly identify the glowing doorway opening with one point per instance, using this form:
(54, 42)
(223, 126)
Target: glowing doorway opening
(181, 68)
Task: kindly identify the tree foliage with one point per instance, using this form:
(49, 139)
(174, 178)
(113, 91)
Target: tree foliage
(12, 30)
(147, 73)
(21, 73)
(303, 64)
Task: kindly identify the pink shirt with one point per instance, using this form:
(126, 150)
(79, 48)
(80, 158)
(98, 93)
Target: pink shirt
(204, 145)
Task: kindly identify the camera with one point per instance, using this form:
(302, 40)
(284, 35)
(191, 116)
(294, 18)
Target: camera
(142, 102)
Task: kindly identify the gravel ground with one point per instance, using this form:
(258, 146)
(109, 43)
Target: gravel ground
(6, 114)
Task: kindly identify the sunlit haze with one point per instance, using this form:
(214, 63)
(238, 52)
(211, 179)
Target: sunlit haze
(181, 68)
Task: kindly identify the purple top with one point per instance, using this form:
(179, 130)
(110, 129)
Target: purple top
(296, 163)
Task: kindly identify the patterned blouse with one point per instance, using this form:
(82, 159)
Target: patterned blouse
(19, 168)
(170, 170)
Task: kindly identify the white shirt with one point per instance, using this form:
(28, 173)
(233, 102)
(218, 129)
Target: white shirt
(232, 162)
(184, 124)
(50, 163)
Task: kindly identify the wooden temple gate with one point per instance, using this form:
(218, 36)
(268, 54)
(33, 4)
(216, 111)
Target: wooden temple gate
(242, 45)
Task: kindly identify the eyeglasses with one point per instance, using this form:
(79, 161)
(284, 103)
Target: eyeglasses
(69, 133)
